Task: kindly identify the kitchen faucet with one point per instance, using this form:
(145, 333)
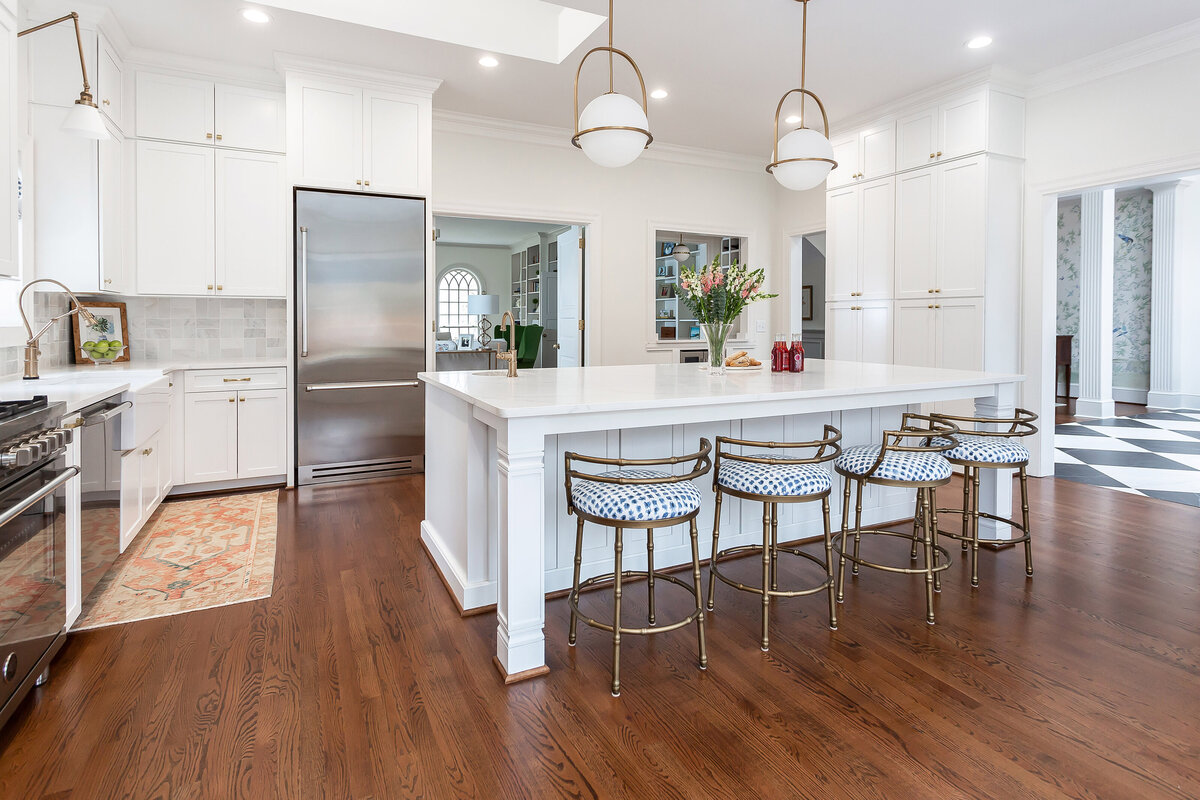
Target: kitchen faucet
(511, 354)
(31, 345)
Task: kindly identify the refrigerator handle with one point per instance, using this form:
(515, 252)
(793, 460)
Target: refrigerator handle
(303, 282)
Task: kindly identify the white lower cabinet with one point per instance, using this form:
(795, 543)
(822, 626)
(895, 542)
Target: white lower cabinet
(859, 331)
(145, 481)
(234, 435)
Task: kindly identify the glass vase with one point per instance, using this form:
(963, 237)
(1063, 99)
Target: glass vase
(715, 334)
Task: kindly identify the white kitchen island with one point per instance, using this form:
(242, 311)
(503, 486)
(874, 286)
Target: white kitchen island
(495, 512)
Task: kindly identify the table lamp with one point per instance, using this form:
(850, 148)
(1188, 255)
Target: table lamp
(482, 305)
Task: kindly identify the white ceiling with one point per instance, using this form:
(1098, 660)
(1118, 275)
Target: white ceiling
(724, 63)
(490, 232)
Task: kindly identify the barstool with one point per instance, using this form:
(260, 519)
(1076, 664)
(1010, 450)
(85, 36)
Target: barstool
(919, 466)
(978, 449)
(636, 498)
(770, 480)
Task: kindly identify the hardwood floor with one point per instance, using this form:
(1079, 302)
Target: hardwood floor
(358, 679)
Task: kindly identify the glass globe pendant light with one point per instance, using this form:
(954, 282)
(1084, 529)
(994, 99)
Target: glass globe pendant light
(803, 158)
(613, 129)
(682, 252)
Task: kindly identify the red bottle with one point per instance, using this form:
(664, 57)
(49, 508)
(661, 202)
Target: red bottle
(780, 356)
(796, 355)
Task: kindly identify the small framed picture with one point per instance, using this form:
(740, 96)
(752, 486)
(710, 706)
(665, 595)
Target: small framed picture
(112, 325)
(668, 248)
(806, 309)
(464, 341)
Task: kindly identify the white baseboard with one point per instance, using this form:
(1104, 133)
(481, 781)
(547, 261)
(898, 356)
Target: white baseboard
(1100, 409)
(1120, 394)
(467, 595)
(1174, 400)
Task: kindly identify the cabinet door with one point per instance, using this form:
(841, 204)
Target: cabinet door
(252, 225)
(175, 109)
(877, 148)
(67, 191)
(175, 219)
(8, 145)
(391, 143)
(166, 447)
(131, 497)
(842, 332)
(210, 437)
(962, 239)
(151, 485)
(845, 153)
(250, 119)
(331, 136)
(916, 233)
(959, 341)
(916, 139)
(877, 250)
(110, 83)
(915, 337)
(841, 257)
(962, 125)
(114, 260)
(876, 332)
(262, 433)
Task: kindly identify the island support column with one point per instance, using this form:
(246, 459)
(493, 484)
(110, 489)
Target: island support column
(996, 485)
(521, 578)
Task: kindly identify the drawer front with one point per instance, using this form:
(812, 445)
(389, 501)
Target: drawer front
(213, 380)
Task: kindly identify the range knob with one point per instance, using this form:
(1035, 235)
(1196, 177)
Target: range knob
(20, 456)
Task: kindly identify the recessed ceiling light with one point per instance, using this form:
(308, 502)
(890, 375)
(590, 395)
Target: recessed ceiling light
(979, 41)
(256, 15)
(793, 119)
(488, 61)
(659, 94)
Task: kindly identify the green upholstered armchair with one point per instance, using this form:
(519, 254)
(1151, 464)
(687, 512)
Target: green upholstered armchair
(529, 341)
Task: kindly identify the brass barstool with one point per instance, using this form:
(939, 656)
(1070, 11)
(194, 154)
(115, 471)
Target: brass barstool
(636, 498)
(979, 448)
(919, 466)
(771, 480)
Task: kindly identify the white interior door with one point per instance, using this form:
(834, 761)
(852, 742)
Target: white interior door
(570, 293)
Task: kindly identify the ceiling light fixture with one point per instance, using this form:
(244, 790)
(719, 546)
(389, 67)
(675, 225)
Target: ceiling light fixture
(84, 117)
(613, 129)
(256, 15)
(979, 41)
(489, 61)
(659, 94)
(804, 157)
(682, 252)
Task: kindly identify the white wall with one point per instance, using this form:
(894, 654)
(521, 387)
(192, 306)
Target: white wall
(478, 175)
(492, 264)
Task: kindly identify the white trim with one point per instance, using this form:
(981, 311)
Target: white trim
(552, 136)
(387, 80)
(142, 59)
(1173, 400)
(1156, 47)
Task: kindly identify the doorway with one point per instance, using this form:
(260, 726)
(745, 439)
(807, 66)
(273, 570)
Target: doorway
(806, 261)
(531, 269)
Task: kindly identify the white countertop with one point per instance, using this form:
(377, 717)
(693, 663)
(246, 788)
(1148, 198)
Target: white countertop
(81, 385)
(548, 392)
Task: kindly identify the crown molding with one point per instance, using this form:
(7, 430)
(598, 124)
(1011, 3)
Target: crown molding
(383, 79)
(1130, 55)
(91, 17)
(193, 66)
(553, 136)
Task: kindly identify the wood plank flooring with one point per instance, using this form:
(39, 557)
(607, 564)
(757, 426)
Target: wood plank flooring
(358, 679)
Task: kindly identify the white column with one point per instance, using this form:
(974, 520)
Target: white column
(1166, 313)
(1097, 220)
(521, 540)
(995, 485)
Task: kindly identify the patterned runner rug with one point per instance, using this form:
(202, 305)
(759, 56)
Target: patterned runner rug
(192, 554)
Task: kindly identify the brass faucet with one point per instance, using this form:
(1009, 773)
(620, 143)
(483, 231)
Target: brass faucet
(31, 345)
(509, 355)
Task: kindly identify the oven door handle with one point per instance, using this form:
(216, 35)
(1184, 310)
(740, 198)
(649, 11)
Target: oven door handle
(108, 414)
(41, 494)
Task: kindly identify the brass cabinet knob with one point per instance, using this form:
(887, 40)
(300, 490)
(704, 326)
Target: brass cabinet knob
(105, 101)
(938, 305)
(933, 155)
(220, 288)
(939, 291)
(939, 152)
(366, 183)
(218, 137)
(148, 451)
(359, 183)
(208, 136)
(242, 399)
(233, 399)
(107, 281)
(210, 287)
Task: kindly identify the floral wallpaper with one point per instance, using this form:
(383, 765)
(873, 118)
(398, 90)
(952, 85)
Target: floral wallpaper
(1131, 285)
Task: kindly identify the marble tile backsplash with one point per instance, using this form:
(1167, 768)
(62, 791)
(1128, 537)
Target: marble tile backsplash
(168, 328)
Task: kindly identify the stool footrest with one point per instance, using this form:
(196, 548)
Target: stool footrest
(757, 548)
(962, 537)
(573, 602)
(839, 549)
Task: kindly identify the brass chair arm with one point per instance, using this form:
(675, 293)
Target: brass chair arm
(1019, 425)
(701, 457)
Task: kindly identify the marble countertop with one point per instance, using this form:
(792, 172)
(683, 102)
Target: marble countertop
(547, 392)
(81, 385)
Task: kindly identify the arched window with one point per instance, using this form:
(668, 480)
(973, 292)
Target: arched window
(454, 287)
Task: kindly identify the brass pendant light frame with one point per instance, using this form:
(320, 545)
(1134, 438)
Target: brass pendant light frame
(612, 51)
(803, 92)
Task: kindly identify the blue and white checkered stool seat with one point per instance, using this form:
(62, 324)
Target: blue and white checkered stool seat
(776, 480)
(985, 449)
(896, 466)
(635, 502)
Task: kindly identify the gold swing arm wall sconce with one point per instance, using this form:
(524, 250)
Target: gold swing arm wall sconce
(85, 97)
(612, 52)
(775, 160)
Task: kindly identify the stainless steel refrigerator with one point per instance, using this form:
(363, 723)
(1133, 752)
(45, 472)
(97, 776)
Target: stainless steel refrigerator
(360, 336)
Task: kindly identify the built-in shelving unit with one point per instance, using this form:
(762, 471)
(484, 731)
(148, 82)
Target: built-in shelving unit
(673, 321)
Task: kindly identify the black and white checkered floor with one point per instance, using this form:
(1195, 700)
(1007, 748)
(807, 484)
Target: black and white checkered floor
(1154, 455)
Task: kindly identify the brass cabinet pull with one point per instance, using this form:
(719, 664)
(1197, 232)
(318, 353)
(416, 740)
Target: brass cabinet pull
(233, 399)
(939, 291)
(359, 183)
(218, 137)
(208, 136)
(241, 399)
(148, 451)
(933, 155)
(210, 287)
(236, 380)
(938, 305)
(931, 305)
(73, 424)
(220, 288)
(366, 183)
(939, 152)
(105, 101)
(107, 281)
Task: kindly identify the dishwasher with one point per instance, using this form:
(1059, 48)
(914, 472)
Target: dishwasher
(99, 430)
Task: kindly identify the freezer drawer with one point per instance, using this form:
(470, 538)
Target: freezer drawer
(359, 429)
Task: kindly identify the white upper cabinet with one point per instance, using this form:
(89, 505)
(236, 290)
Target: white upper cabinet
(845, 153)
(865, 155)
(115, 268)
(917, 139)
(197, 111)
(841, 242)
(860, 259)
(916, 233)
(962, 220)
(360, 135)
(175, 218)
(110, 83)
(251, 224)
(970, 122)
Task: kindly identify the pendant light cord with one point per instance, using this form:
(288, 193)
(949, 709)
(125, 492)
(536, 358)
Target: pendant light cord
(803, 58)
(610, 44)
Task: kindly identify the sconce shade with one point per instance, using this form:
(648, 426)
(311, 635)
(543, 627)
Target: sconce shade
(84, 120)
